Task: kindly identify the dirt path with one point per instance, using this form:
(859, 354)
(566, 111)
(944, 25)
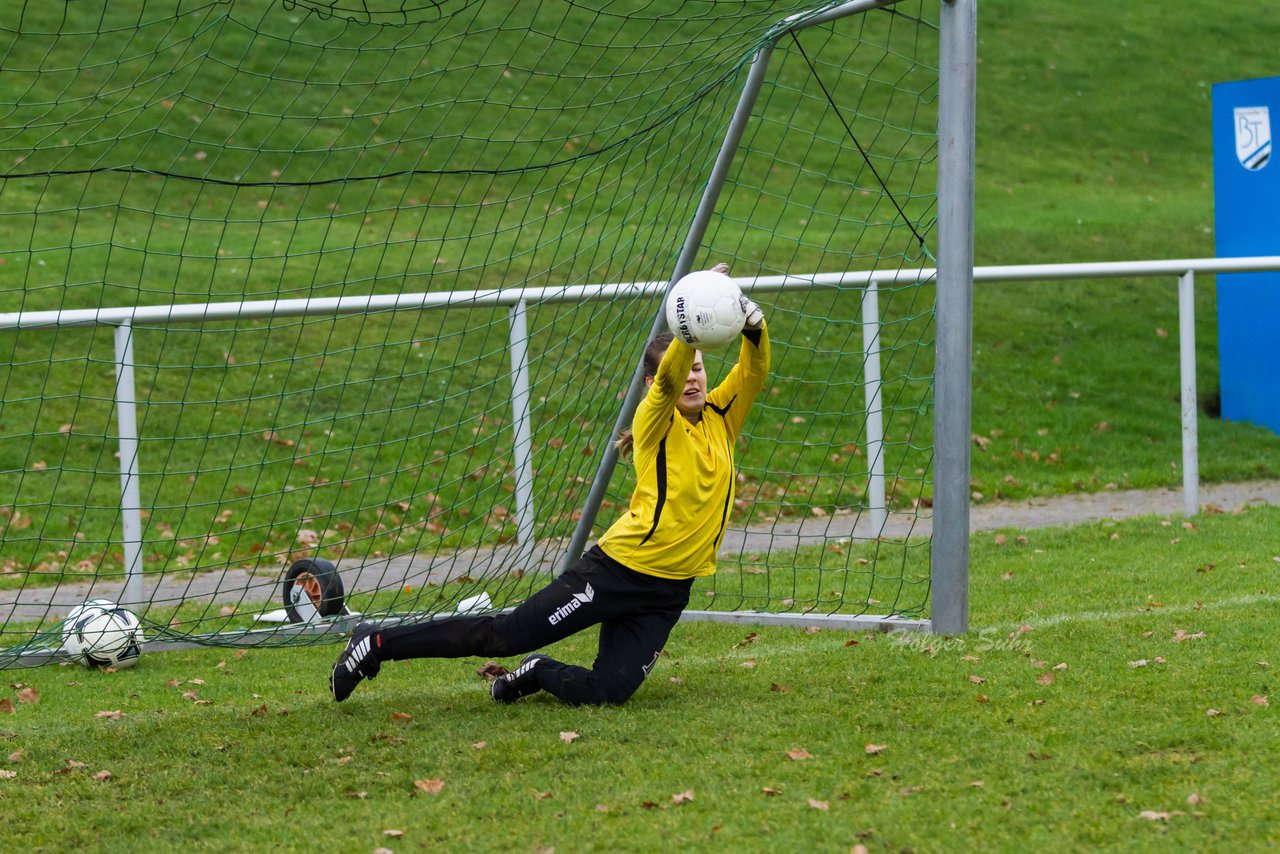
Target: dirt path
(238, 586)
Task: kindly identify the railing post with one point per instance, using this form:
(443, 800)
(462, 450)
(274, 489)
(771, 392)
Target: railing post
(1190, 407)
(130, 501)
(522, 438)
(875, 414)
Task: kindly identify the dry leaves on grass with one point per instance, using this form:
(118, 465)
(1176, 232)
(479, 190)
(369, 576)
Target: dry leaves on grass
(1180, 635)
(491, 671)
(102, 776)
(779, 689)
(682, 797)
(569, 737)
(796, 754)
(819, 805)
(5, 774)
(29, 695)
(874, 749)
(6, 706)
(1160, 815)
(402, 717)
(430, 787)
(114, 715)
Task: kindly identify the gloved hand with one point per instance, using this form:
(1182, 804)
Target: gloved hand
(755, 317)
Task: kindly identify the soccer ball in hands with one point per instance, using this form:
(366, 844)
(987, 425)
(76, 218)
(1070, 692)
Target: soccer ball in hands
(100, 633)
(704, 310)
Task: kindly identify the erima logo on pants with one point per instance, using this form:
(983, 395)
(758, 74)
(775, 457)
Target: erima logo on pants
(578, 600)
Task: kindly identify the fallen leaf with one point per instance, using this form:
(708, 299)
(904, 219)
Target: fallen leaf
(260, 712)
(569, 737)
(113, 715)
(751, 638)
(749, 663)
(1141, 662)
(1180, 635)
(675, 680)
(770, 791)
(1045, 678)
(779, 689)
(544, 796)
(796, 754)
(15, 756)
(602, 807)
(480, 745)
(102, 776)
(873, 749)
(819, 805)
(491, 671)
(190, 695)
(1062, 665)
(682, 797)
(1162, 815)
(1213, 713)
(394, 834)
(977, 680)
(29, 695)
(1195, 799)
(1259, 700)
(5, 774)
(431, 787)
(402, 717)
(6, 706)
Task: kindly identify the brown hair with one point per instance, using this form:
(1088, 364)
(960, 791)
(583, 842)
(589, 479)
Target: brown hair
(653, 353)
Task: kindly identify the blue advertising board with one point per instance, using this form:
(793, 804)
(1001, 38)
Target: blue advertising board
(1246, 183)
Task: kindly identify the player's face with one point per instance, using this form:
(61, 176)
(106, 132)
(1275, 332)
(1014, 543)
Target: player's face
(694, 398)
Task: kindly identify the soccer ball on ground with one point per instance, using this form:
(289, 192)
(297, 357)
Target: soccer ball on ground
(100, 633)
(704, 310)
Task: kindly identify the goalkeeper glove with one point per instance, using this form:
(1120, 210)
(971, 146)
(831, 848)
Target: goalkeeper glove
(755, 317)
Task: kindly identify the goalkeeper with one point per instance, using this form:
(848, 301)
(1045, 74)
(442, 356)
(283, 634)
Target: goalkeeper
(635, 582)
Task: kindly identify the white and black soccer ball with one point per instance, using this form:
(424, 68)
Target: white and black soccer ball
(100, 633)
(704, 310)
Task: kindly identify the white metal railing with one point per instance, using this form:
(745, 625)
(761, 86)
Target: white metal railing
(125, 318)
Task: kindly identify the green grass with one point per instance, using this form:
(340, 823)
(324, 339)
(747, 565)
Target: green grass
(1065, 741)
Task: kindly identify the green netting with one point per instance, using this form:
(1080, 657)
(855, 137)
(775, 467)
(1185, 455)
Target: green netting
(180, 153)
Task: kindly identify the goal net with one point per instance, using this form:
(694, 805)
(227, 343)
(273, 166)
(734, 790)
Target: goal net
(328, 306)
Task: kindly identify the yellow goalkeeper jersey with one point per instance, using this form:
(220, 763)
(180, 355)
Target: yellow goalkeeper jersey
(685, 473)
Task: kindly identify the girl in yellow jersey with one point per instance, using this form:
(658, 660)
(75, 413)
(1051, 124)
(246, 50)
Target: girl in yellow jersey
(635, 582)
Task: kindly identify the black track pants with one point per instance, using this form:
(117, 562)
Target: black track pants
(636, 613)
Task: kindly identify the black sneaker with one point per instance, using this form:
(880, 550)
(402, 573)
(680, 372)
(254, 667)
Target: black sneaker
(358, 661)
(520, 682)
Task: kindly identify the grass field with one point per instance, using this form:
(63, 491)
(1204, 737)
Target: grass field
(1113, 694)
